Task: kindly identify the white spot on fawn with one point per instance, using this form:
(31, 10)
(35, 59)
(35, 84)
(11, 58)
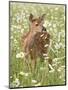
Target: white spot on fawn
(45, 37)
(41, 35)
(44, 54)
(31, 49)
(46, 45)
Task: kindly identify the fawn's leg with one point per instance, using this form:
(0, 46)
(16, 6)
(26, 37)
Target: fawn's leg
(27, 58)
(33, 64)
(33, 60)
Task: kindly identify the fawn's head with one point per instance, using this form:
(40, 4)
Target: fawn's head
(36, 24)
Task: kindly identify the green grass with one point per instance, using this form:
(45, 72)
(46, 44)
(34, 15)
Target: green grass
(20, 75)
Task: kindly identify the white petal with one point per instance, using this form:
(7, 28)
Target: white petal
(11, 37)
(54, 25)
(34, 81)
(46, 58)
(38, 84)
(18, 55)
(51, 66)
(22, 73)
(26, 74)
(22, 54)
(62, 66)
(56, 8)
(59, 70)
(51, 71)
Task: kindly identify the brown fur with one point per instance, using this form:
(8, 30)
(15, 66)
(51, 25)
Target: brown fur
(35, 40)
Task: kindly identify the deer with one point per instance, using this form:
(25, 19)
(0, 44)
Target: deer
(36, 41)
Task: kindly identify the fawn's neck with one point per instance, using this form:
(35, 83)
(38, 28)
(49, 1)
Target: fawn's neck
(32, 31)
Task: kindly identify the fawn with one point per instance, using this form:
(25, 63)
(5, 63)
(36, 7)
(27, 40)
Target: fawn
(36, 41)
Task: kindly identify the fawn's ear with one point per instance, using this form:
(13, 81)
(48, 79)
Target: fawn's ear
(42, 17)
(31, 17)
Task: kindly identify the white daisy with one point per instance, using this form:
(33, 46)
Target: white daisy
(16, 82)
(54, 25)
(18, 55)
(38, 84)
(26, 74)
(46, 58)
(34, 81)
(42, 68)
(21, 73)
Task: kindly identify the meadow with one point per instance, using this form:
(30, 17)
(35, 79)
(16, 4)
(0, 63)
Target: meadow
(20, 75)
